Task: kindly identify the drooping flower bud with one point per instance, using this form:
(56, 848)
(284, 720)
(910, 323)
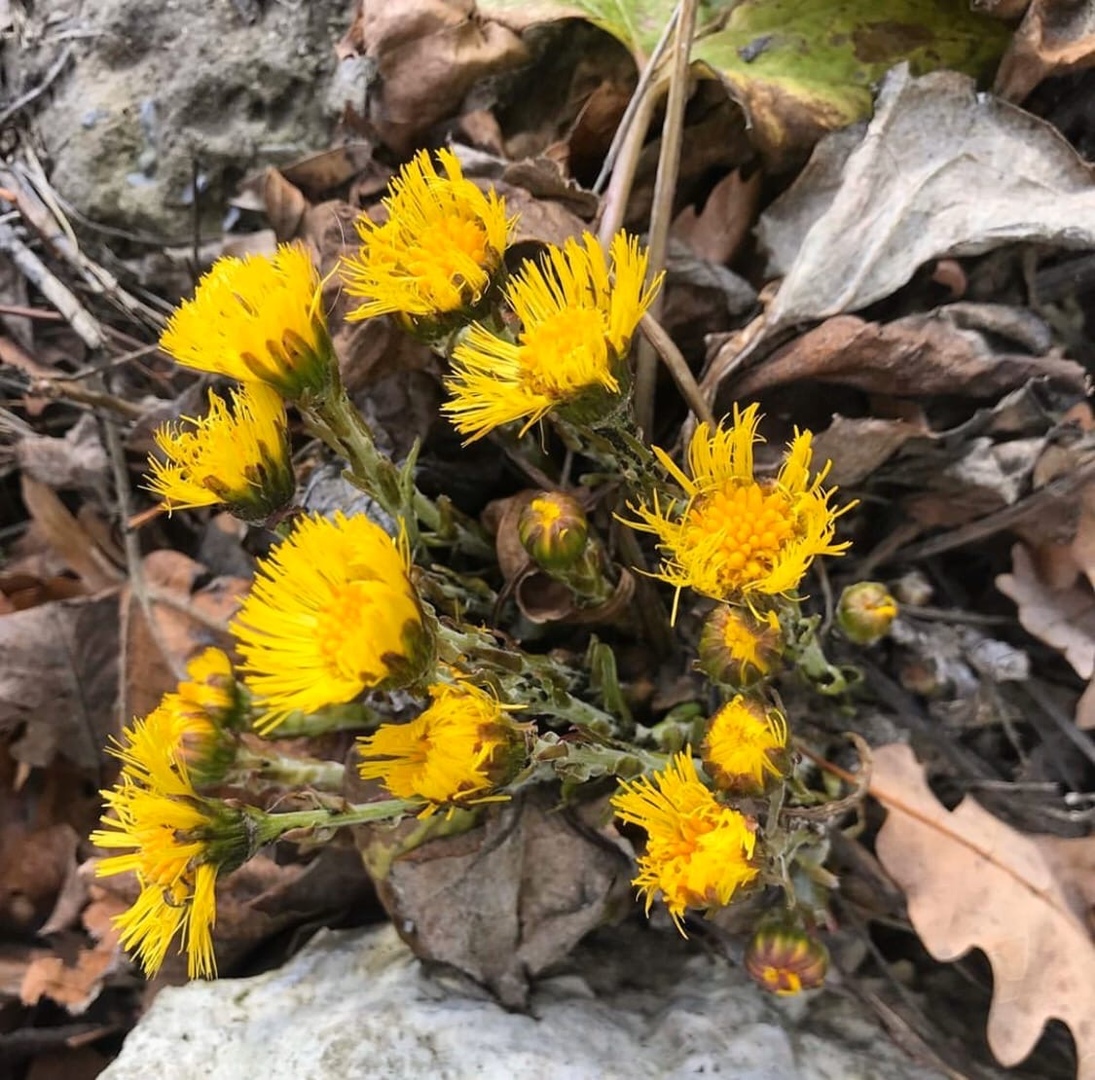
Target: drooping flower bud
(866, 612)
(738, 647)
(553, 529)
(786, 960)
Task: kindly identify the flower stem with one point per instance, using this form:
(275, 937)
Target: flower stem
(538, 682)
(290, 772)
(341, 426)
(271, 827)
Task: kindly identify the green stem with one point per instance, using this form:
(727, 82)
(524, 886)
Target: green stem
(352, 717)
(291, 772)
(271, 827)
(338, 423)
(536, 681)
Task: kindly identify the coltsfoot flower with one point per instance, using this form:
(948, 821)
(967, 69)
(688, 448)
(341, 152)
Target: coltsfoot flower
(738, 537)
(238, 457)
(577, 316)
(698, 852)
(174, 841)
(200, 718)
(458, 751)
(738, 646)
(438, 253)
(332, 613)
(745, 746)
(786, 960)
(258, 319)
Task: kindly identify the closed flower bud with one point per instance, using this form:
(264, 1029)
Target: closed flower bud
(786, 960)
(553, 530)
(738, 647)
(865, 612)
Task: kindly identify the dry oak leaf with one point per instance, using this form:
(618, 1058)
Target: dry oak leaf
(973, 882)
(1063, 618)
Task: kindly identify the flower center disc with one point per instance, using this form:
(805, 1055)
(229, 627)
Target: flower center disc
(742, 526)
(566, 352)
(342, 632)
(451, 257)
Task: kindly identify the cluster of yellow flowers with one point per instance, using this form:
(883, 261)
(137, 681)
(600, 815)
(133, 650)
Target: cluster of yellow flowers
(335, 611)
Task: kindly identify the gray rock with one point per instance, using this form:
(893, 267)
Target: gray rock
(645, 1005)
(161, 94)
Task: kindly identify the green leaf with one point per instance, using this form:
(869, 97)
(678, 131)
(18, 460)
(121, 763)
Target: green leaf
(799, 68)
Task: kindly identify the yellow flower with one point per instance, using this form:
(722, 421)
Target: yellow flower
(698, 851)
(458, 751)
(738, 646)
(211, 689)
(745, 745)
(438, 252)
(258, 319)
(332, 613)
(239, 457)
(174, 841)
(577, 320)
(198, 720)
(737, 536)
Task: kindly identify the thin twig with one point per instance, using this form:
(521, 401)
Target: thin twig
(190, 610)
(1042, 499)
(67, 390)
(641, 88)
(138, 586)
(51, 287)
(661, 214)
(678, 367)
(32, 95)
(614, 204)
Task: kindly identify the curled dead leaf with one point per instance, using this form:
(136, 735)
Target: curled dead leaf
(505, 900)
(941, 170)
(1063, 618)
(973, 882)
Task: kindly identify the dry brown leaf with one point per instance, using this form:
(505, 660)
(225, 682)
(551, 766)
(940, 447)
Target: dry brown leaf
(74, 986)
(76, 461)
(1063, 618)
(148, 674)
(503, 901)
(973, 882)
(718, 230)
(1055, 36)
(68, 538)
(941, 170)
(855, 447)
(1085, 709)
(59, 680)
(428, 55)
(918, 355)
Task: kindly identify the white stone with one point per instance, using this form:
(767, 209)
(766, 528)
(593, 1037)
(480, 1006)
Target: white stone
(358, 1004)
